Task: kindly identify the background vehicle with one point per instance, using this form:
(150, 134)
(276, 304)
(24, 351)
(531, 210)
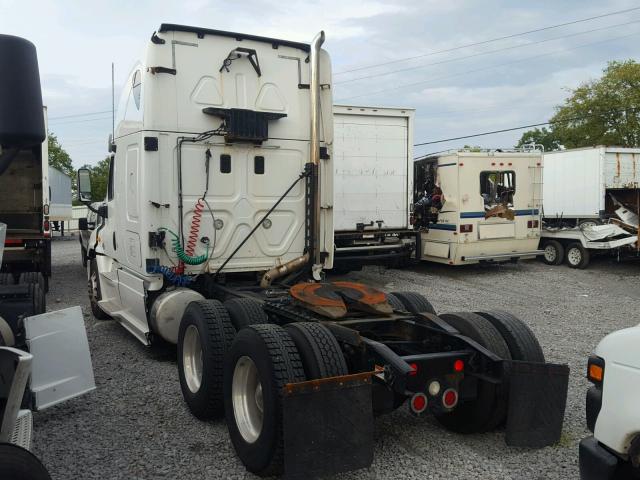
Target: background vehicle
(242, 214)
(613, 452)
(37, 367)
(25, 172)
(600, 177)
(373, 152)
(87, 225)
(475, 207)
(60, 199)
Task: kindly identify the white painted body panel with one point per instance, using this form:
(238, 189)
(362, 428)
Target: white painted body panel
(576, 181)
(492, 239)
(619, 420)
(373, 161)
(60, 190)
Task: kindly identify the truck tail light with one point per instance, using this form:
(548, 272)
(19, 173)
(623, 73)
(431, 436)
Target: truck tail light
(533, 224)
(450, 398)
(46, 227)
(418, 403)
(414, 369)
(467, 228)
(411, 220)
(458, 366)
(595, 369)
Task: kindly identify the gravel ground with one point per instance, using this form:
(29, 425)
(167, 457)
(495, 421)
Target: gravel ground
(136, 426)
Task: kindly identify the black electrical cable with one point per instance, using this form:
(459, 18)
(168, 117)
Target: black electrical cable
(506, 37)
(564, 120)
(266, 215)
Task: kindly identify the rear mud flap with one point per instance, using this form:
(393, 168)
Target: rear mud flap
(328, 426)
(537, 400)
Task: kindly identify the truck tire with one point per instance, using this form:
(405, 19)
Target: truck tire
(553, 252)
(261, 361)
(245, 311)
(489, 409)
(319, 350)
(32, 277)
(18, 463)
(7, 279)
(523, 344)
(85, 258)
(95, 294)
(205, 336)
(395, 302)
(39, 298)
(577, 256)
(414, 302)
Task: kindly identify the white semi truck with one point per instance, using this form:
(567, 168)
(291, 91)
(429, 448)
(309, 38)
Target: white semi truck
(613, 452)
(217, 228)
(373, 183)
(478, 206)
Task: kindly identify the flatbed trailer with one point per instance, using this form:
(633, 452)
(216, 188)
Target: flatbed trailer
(574, 244)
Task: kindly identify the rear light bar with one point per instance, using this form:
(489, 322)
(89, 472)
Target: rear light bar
(13, 242)
(467, 228)
(533, 224)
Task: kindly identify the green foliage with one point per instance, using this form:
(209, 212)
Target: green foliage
(58, 157)
(539, 136)
(599, 112)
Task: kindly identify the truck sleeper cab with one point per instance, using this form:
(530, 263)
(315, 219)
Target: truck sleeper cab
(475, 207)
(213, 239)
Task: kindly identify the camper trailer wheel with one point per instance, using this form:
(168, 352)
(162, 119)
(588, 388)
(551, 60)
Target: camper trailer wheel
(414, 302)
(319, 350)
(577, 256)
(95, 294)
(553, 252)
(489, 409)
(261, 361)
(522, 342)
(205, 335)
(16, 462)
(245, 311)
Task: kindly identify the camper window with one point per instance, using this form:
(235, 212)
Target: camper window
(497, 188)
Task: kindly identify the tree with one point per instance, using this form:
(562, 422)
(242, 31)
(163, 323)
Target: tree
(540, 136)
(58, 157)
(599, 112)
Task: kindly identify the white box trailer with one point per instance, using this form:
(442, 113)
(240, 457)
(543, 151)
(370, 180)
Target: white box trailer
(373, 163)
(60, 195)
(579, 183)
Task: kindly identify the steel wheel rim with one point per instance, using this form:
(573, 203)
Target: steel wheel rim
(574, 256)
(247, 399)
(550, 253)
(192, 358)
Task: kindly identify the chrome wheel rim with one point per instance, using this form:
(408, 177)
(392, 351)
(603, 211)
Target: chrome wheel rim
(574, 256)
(246, 396)
(550, 253)
(192, 358)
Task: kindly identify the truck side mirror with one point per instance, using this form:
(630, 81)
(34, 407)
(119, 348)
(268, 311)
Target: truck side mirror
(84, 185)
(83, 224)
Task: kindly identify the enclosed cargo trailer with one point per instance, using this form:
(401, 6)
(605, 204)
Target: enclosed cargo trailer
(373, 161)
(583, 185)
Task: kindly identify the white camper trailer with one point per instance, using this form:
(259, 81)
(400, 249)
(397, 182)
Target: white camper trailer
(373, 161)
(473, 206)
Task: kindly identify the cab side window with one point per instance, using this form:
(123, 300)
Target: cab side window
(110, 186)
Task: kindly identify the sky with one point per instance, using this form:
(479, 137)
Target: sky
(495, 85)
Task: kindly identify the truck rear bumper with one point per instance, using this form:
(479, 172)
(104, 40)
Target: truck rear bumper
(596, 462)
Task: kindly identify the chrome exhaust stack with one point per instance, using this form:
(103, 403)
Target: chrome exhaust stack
(314, 147)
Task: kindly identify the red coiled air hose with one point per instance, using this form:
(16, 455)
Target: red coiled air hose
(194, 232)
